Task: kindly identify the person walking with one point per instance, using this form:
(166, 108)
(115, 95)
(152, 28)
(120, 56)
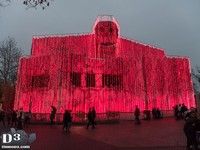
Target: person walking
(14, 119)
(158, 113)
(184, 109)
(137, 115)
(89, 117)
(179, 116)
(53, 114)
(2, 116)
(9, 117)
(154, 113)
(67, 121)
(189, 129)
(27, 119)
(176, 111)
(20, 121)
(93, 117)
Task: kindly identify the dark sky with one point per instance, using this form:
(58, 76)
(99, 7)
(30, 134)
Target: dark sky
(170, 24)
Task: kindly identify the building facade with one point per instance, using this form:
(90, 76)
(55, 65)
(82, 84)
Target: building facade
(100, 69)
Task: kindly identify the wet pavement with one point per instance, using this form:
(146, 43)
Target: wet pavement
(165, 134)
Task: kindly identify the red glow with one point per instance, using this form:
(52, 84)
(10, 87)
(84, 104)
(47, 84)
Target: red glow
(134, 74)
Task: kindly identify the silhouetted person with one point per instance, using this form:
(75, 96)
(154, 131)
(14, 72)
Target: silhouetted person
(154, 113)
(20, 121)
(147, 114)
(158, 113)
(14, 118)
(67, 121)
(9, 117)
(176, 111)
(53, 114)
(190, 131)
(2, 116)
(22, 115)
(179, 115)
(137, 115)
(183, 110)
(93, 117)
(89, 117)
(27, 119)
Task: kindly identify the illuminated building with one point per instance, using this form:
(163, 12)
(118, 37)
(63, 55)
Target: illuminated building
(100, 69)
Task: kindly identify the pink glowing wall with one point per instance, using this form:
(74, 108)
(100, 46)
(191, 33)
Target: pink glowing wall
(149, 77)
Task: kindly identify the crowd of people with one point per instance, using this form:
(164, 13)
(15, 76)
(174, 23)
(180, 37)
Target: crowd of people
(180, 110)
(67, 119)
(192, 125)
(17, 119)
(156, 113)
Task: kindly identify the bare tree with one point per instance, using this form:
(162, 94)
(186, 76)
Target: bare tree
(196, 79)
(29, 3)
(9, 58)
(196, 85)
(36, 3)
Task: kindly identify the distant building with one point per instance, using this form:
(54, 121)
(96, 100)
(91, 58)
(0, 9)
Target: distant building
(100, 69)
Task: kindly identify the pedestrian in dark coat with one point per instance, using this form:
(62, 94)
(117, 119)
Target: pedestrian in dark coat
(27, 119)
(9, 117)
(137, 115)
(14, 119)
(183, 110)
(67, 120)
(20, 121)
(190, 131)
(158, 113)
(154, 113)
(93, 117)
(176, 111)
(2, 117)
(53, 114)
(89, 117)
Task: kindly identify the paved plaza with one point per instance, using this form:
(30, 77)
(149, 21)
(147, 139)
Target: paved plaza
(166, 134)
